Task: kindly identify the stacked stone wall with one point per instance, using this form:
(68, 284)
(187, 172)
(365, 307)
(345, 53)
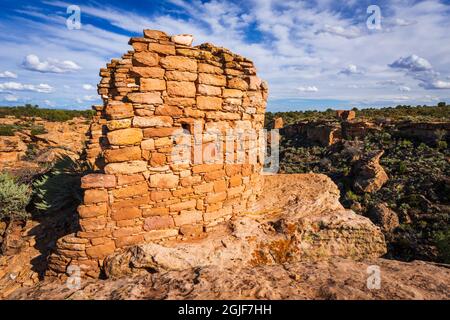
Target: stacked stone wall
(156, 97)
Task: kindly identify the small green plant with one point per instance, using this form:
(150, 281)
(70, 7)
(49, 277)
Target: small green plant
(60, 187)
(7, 130)
(442, 240)
(402, 167)
(37, 130)
(14, 197)
(442, 145)
(350, 195)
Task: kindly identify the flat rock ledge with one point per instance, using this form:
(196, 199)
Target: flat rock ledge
(299, 219)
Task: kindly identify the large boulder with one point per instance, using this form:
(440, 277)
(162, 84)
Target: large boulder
(299, 219)
(369, 175)
(384, 217)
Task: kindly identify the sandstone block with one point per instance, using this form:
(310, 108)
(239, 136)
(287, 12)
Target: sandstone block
(93, 224)
(238, 83)
(181, 76)
(179, 63)
(166, 110)
(232, 93)
(158, 223)
(125, 136)
(119, 110)
(118, 124)
(209, 103)
(148, 72)
(148, 144)
(146, 97)
(127, 213)
(204, 188)
(207, 90)
(129, 167)
(216, 197)
(162, 48)
(124, 179)
(96, 180)
(186, 205)
(145, 58)
(92, 210)
(208, 68)
(188, 217)
(156, 121)
(159, 132)
(181, 89)
(156, 211)
(101, 251)
(123, 154)
(164, 181)
(129, 241)
(179, 101)
(131, 191)
(160, 195)
(155, 34)
(153, 85)
(212, 79)
(95, 196)
(160, 234)
(191, 230)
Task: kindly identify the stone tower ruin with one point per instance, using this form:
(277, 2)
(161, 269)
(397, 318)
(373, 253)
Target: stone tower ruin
(159, 93)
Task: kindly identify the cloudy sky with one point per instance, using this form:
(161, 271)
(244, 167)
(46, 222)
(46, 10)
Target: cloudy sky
(314, 54)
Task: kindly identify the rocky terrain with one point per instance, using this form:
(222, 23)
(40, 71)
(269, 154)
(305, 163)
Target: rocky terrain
(302, 245)
(393, 170)
(33, 143)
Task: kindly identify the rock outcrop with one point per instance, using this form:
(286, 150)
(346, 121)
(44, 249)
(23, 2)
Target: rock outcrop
(56, 139)
(345, 115)
(336, 279)
(369, 175)
(301, 220)
(11, 149)
(384, 217)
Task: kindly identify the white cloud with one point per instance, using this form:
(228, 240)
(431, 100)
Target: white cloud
(403, 22)
(88, 87)
(11, 98)
(436, 84)
(49, 103)
(404, 89)
(308, 89)
(33, 63)
(8, 74)
(88, 98)
(412, 63)
(17, 86)
(351, 32)
(351, 69)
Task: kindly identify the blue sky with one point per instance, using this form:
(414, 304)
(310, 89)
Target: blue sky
(314, 54)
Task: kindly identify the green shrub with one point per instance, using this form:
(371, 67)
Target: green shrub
(442, 240)
(59, 115)
(37, 130)
(402, 167)
(7, 130)
(442, 145)
(14, 197)
(60, 188)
